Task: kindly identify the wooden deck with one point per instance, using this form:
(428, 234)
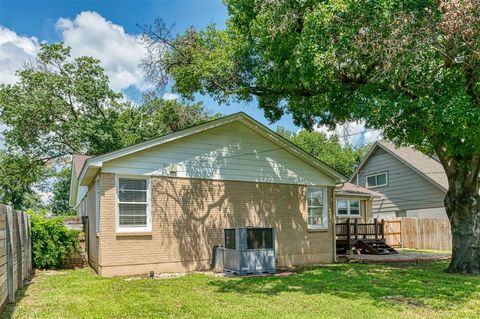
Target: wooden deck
(368, 238)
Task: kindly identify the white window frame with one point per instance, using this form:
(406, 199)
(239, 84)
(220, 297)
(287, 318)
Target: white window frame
(134, 229)
(349, 214)
(376, 179)
(97, 205)
(324, 225)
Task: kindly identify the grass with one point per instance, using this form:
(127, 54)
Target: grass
(333, 291)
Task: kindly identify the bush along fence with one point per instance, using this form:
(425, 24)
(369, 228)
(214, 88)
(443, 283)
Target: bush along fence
(15, 253)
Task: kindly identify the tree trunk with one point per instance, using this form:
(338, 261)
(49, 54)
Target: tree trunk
(462, 204)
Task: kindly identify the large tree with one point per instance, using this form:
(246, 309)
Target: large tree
(61, 106)
(410, 68)
(343, 158)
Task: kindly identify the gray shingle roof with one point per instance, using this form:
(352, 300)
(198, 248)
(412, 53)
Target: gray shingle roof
(355, 190)
(423, 164)
(78, 161)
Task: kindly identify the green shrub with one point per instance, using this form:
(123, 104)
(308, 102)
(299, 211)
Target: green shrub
(51, 241)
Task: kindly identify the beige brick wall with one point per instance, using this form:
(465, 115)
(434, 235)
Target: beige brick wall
(188, 218)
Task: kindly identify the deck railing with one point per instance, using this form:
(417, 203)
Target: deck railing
(355, 230)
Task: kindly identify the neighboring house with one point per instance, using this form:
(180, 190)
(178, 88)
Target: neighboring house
(162, 205)
(78, 192)
(411, 183)
(354, 202)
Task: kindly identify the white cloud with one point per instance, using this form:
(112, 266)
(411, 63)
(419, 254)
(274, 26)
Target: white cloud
(15, 50)
(170, 96)
(353, 133)
(90, 34)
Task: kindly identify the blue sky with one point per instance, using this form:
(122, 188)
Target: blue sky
(40, 19)
(109, 31)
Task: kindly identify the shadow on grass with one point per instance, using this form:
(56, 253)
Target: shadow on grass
(418, 285)
(9, 310)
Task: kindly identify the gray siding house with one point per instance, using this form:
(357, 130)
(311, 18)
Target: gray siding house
(411, 183)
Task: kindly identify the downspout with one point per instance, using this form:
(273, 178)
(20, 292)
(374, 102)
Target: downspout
(335, 222)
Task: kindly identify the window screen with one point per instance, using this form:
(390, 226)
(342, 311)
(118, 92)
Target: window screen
(354, 207)
(132, 202)
(347, 207)
(342, 207)
(401, 213)
(230, 242)
(317, 213)
(377, 180)
(259, 238)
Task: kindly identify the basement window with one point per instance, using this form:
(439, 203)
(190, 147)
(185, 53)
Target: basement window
(133, 204)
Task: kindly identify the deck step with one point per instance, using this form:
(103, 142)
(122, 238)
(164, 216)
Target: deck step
(375, 247)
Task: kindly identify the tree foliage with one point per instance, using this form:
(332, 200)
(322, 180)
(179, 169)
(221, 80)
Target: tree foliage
(18, 175)
(343, 159)
(60, 204)
(156, 117)
(410, 68)
(51, 241)
(62, 106)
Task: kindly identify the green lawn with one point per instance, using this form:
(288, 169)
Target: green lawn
(333, 291)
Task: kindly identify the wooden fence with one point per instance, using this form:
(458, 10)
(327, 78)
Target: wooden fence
(15, 253)
(419, 233)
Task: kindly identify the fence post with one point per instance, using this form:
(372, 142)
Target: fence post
(19, 250)
(355, 228)
(348, 234)
(375, 227)
(9, 228)
(383, 229)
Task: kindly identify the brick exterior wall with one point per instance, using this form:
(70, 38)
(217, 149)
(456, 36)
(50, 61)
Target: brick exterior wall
(188, 218)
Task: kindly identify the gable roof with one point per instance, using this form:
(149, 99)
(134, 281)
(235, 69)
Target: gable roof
(93, 165)
(423, 165)
(78, 160)
(349, 189)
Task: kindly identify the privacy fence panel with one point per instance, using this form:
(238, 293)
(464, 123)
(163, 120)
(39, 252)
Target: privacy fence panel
(15, 253)
(420, 233)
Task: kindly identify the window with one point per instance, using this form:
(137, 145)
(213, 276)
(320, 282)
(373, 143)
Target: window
(230, 242)
(348, 208)
(401, 213)
(377, 180)
(133, 197)
(317, 208)
(97, 206)
(259, 238)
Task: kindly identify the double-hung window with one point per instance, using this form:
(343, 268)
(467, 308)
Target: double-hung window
(317, 214)
(377, 180)
(133, 200)
(348, 208)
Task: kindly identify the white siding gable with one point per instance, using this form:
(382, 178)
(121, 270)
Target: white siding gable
(81, 192)
(230, 152)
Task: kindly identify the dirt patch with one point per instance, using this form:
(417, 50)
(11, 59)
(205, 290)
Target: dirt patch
(50, 272)
(400, 300)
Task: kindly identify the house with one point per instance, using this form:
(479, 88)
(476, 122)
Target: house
(354, 202)
(162, 205)
(411, 183)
